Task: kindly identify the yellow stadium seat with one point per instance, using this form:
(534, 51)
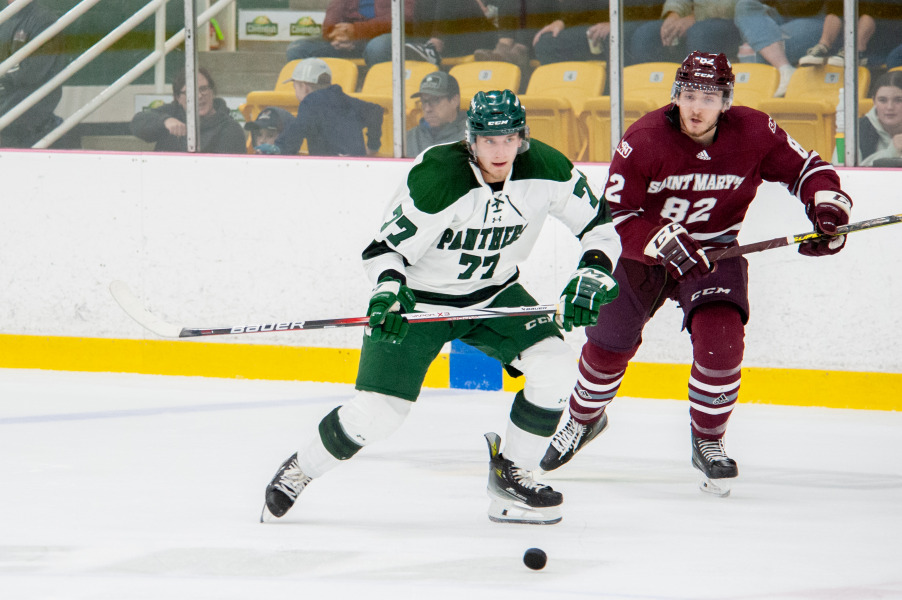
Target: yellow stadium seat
(377, 88)
(754, 82)
(483, 76)
(596, 119)
(646, 87)
(808, 111)
(554, 98)
(378, 78)
(451, 61)
(651, 82)
(344, 73)
(575, 81)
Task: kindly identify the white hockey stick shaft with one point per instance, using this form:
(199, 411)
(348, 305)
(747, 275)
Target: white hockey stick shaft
(133, 308)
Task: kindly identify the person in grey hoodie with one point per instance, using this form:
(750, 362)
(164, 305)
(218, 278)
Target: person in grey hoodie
(166, 125)
(442, 121)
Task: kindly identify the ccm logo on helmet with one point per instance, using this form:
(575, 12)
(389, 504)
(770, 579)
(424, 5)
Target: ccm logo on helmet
(504, 122)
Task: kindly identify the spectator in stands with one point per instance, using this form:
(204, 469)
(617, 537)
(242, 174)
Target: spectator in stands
(352, 29)
(455, 28)
(894, 58)
(268, 125)
(331, 121)
(582, 27)
(442, 121)
(518, 22)
(166, 125)
(880, 130)
(686, 26)
(877, 22)
(21, 80)
(778, 40)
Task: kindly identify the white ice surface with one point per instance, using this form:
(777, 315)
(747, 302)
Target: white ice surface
(132, 487)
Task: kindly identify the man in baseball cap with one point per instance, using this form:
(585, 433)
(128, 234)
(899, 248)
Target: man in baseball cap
(442, 121)
(331, 122)
(311, 70)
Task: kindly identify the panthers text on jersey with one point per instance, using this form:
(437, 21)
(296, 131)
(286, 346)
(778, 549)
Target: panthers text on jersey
(459, 243)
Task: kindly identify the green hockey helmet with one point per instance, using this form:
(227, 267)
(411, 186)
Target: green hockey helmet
(497, 113)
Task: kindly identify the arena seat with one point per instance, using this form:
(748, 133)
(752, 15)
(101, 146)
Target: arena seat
(484, 76)
(808, 111)
(555, 97)
(754, 82)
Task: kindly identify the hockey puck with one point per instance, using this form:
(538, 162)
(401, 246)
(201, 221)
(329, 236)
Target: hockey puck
(535, 558)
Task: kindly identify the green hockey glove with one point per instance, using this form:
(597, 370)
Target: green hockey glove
(590, 287)
(390, 300)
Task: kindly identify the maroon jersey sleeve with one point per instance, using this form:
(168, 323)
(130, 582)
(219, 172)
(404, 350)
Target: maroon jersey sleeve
(804, 172)
(659, 174)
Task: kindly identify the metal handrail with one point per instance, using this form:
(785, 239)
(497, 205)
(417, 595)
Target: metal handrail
(38, 40)
(87, 56)
(126, 78)
(76, 65)
(12, 9)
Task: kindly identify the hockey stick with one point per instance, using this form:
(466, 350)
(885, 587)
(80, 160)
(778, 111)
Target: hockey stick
(802, 237)
(133, 308)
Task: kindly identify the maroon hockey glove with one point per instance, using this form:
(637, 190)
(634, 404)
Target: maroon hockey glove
(826, 212)
(673, 247)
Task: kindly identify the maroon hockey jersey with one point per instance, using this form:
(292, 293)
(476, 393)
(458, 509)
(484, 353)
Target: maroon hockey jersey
(660, 174)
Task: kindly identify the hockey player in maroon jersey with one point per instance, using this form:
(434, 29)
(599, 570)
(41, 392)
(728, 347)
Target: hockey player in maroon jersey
(679, 185)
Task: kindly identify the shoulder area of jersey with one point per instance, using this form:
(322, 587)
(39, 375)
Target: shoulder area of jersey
(542, 161)
(748, 118)
(440, 176)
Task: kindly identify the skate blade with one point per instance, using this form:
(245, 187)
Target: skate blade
(716, 487)
(509, 512)
(266, 516)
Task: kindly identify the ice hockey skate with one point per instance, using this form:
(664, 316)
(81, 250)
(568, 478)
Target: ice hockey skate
(569, 440)
(716, 468)
(284, 489)
(515, 496)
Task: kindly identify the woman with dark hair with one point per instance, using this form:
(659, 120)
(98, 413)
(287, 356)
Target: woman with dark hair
(880, 130)
(165, 125)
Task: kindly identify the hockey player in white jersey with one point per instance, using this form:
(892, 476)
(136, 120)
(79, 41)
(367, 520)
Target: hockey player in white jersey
(452, 237)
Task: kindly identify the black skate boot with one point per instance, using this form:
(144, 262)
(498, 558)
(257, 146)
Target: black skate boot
(710, 458)
(515, 496)
(284, 489)
(569, 440)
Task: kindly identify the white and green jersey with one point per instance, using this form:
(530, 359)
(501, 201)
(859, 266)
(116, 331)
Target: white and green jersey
(459, 243)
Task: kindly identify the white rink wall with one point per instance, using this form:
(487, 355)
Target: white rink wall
(212, 240)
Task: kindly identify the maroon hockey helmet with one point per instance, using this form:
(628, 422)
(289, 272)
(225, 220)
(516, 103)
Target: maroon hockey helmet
(706, 72)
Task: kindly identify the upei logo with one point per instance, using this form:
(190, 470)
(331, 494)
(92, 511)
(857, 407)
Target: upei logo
(262, 26)
(624, 149)
(305, 27)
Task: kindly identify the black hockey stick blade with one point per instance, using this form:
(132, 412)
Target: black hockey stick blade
(133, 308)
(802, 237)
